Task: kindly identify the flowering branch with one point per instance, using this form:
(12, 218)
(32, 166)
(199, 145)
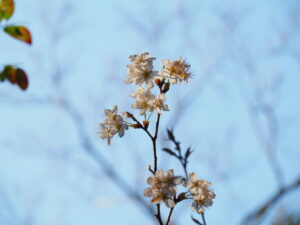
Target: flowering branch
(177, 153)
(153, 139)
(158, 215)
(139, 125)
(163, 185)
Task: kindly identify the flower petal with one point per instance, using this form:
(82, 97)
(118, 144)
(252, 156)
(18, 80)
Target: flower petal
(156, 199)
(178, 180)
(150, 180)
(115, 109)
(148, 192)
(193, 177)
(121, 132)
(170, 203)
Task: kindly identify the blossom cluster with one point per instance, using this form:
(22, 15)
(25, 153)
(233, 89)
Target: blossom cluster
(142, 74)
(113, 124)
(177, 71)
(201, 192)
(140, 71)
(163, 189)
(150, 96)
(146, 101)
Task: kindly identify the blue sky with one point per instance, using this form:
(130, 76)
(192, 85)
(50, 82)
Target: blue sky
(243, 55)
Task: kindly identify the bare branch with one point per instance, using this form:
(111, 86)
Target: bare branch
(256, 216)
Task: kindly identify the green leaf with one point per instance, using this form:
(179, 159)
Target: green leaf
(7, 8)
(9, 72)
(2, 77)
(19, 32)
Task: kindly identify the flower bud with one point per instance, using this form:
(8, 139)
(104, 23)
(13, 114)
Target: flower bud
(158, 82)
(128, 114)
(166, 87)
(135, 125)
(146, 123)
(181, 197)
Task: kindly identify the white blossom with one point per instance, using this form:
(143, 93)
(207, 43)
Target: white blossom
(176, 71)
(140, 71)
(158, 103)
(106, 133)
(144, 100)
(163, 187)
(202, 194)
(112, 124)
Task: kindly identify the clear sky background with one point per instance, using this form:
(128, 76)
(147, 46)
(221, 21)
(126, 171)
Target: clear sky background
(244, 98)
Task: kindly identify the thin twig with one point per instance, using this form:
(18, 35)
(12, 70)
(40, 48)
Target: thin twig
(154, 142)
(183, 159)
(142, 127)
(153, 139)
(158, 215)
(169, 217)
(203, 218)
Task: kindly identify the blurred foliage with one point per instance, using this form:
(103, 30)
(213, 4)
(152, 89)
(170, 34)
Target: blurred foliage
(287, 220)
(7, 8)
(15, 76)
(10, 73)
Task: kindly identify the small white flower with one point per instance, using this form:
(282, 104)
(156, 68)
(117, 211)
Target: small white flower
(158, 103)
(144, 99)
(176, 71)
(163, 187)
(106, 133)
(141, 69)
(202, 194)
(112, 125)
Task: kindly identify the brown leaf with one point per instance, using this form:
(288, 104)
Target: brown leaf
(19, 32)
(22, 79)
(15, 76)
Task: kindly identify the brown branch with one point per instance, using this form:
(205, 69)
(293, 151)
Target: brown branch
(154, 142)
(258, 214)
(141, 126)
(158, 214)
(153, 139)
